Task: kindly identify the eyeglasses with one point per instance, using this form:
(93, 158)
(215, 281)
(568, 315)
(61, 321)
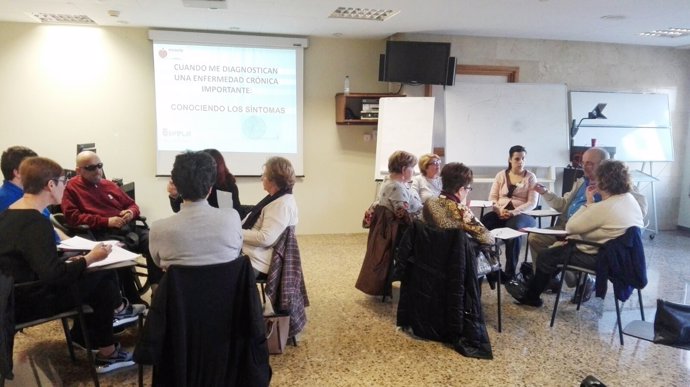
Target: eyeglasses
(93, 167)
(60, 179)
(468, 188)
(435, 162)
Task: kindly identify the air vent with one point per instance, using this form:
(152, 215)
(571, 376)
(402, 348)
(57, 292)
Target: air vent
(210, 4)
(363, 13)
(52, 18)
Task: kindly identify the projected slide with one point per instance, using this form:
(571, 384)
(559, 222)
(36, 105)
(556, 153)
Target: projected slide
(243, 100)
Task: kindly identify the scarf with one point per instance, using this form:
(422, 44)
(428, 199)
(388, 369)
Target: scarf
(255, 213)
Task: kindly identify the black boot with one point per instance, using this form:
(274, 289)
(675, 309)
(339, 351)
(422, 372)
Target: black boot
(536, 287)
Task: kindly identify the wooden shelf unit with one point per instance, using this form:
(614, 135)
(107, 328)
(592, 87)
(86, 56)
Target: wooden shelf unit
(353, 101)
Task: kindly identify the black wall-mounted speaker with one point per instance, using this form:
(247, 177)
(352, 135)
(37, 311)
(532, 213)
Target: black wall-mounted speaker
(450, 76)
(382, 68)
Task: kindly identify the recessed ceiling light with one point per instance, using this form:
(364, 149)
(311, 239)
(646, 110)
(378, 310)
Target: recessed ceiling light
(54, 18)
(667, 33)
(363, 13)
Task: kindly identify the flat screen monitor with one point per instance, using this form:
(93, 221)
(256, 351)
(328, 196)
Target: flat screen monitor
(424, 63)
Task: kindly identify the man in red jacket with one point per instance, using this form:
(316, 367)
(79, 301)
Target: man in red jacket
(91, 200)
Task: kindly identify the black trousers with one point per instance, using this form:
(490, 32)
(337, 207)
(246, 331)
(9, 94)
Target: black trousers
(99, 290)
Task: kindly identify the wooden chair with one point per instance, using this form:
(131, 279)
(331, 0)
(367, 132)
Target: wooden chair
(75, 313)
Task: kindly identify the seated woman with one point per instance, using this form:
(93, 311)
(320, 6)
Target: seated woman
(428, 184)
(512, 194)
(449, 209)
(28, 253)
(199, 234)
(272, 215)
(224, 181)
(396, 194)
(596, 222)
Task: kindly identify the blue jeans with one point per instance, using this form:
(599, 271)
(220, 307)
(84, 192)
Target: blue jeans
(492, 221)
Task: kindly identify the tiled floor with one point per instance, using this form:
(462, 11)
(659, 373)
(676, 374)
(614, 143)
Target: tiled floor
(351, 338)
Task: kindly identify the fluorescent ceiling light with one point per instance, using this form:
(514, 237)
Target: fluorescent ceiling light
(54, 18)
(363, 13)
(668, 33)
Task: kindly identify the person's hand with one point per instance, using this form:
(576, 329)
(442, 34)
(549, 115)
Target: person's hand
(172, 190)
(116, 222)
(590, 192)
(126, 215)
(540, 189)
(505, 214)
(98, 253)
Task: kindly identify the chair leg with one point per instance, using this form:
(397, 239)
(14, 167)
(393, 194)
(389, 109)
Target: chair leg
(618, 319)
(498, 296)
(639, 295)
(263, 291)
(89, 354)
(68, 336)
(141, 375)
(581, 287)
(558, 296)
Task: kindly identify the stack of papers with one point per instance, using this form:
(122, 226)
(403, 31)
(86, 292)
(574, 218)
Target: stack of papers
(506, 233)
(117, 255)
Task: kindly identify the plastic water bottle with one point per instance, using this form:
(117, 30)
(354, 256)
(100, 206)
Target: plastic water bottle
(347, 85)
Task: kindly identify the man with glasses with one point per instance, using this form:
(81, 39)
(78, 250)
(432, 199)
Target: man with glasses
(91, 200)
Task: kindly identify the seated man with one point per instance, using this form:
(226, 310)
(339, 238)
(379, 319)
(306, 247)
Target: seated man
(100, 204)
(569, 204)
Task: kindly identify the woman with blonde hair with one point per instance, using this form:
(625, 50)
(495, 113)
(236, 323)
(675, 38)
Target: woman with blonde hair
(428, 184)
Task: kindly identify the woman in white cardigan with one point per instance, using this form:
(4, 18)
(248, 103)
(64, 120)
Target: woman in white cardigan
(272, 215)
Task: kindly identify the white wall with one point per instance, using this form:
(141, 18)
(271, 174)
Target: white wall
(64, 85)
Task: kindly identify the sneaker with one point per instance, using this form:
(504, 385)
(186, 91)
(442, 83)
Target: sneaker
(118, 359)
(586, 289)
(128, 315)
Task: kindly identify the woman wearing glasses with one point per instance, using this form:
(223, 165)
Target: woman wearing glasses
(428, 184)
(512, 193)
(27, 253)
(449, 209)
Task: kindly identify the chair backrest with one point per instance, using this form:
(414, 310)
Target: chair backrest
(439, 291)
(205, 327)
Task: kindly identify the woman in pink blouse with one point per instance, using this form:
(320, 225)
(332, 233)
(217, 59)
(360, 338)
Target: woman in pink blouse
(512, 194)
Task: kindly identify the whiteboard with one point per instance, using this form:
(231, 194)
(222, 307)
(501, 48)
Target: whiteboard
(404, 124)
(638, 125)
(483, 120)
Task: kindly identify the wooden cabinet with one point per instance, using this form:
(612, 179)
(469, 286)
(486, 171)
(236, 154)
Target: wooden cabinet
(358, 108)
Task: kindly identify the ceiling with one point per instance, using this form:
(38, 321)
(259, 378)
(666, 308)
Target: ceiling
(613, 21)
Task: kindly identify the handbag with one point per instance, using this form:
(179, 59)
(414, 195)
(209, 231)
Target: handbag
(672, 324)
(277, 328)
(486, 263)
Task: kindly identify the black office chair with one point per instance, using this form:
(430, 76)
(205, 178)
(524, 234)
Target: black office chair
(572, 243)
(74, 313)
